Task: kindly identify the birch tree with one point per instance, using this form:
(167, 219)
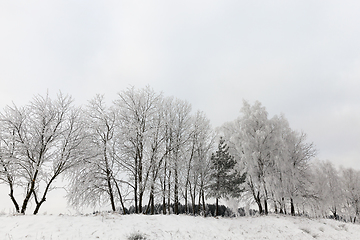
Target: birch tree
(298, 176)
(257, 145)
(350, 179)
(291, 177)
(327, 185)
(274, 156)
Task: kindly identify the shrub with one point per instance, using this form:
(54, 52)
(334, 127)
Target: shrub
(136, 236)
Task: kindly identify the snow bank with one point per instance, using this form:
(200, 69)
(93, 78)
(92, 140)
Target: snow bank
(114, 226)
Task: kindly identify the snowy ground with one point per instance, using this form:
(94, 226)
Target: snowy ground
(114, 226)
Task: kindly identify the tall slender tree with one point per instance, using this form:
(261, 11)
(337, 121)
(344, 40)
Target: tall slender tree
(94, 181)
(137, 117)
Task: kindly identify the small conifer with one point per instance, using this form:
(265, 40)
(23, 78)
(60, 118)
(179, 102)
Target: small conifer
(225, 179)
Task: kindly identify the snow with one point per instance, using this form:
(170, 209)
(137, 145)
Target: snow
(114, 226)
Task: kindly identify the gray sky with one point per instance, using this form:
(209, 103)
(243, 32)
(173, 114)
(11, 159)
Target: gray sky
(299, 58)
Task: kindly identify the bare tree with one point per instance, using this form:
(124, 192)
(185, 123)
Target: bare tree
(198, 162)
(165, 175)
(44, 137)
(137, 110)
(181, 131)
(94, 181)
(159, 150)
(10, 172)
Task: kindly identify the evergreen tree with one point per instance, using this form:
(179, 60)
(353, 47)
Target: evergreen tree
(225, 179)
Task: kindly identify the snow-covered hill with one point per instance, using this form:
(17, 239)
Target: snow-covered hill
(114, 226)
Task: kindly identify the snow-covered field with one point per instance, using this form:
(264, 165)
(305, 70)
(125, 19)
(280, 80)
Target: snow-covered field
(114, 226)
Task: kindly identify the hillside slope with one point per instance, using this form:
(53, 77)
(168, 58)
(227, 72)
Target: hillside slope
(114, 226)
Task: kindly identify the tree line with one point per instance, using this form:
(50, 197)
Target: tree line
(147, 150)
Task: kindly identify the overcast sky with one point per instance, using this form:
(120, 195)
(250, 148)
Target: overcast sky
(299, 58)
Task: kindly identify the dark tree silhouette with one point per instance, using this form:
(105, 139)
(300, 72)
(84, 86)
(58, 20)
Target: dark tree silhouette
(225, 179)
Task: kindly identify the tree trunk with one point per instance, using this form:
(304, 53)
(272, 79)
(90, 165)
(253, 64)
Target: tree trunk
(152, 200)
(266, 207)
(169, 192)
(140, 201)
(108, 178)
(121, 199)
(258, 202)
(203, 202)
(29, 192)
(11, 194)
(217, 207)
(186, 201)
(265, 199)
(335, 214)
(176, 191)
(193, 204)
(152, 209)
(148, 205)
(38, 205)
(199, 203)
(140, 190)
(111, 194)
(292, 207)
(164, 205)
(283, 206)
(43, 198)
(188, 178)
(28, 195)
(164, 191)
(192, 196)
(136, 188)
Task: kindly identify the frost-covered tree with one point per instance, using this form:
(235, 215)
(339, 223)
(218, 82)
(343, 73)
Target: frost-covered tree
(257, 144)
(165, 171)
(203, 163)
(327, 185)
(298, 176)
(158, 151)
(181, 130)
(225, 179)
(198, 161)
(137, 116)
(10, 171)
(41, 141)
(350, 179)
(274, 156)
(291, 177)
(95, 180)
